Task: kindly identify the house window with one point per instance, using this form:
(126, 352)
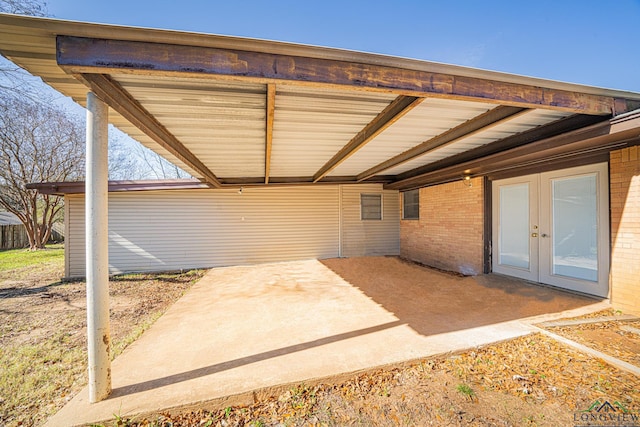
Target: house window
(411, 204)
(371, 207)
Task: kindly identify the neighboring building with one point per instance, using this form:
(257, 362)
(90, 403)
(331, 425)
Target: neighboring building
(305, 152)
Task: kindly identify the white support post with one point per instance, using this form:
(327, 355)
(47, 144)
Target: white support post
(97, 250)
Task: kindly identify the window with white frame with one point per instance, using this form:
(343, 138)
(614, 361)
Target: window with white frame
(411, 204)
(371, 207)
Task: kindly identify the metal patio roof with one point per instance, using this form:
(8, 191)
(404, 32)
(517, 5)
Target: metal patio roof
(235, 111)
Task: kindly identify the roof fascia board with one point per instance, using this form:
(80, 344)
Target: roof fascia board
(50, 27)
(79, 55)
(78, 187)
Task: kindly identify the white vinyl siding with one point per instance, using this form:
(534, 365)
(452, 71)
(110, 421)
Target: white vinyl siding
(368, 238)
(173, 230)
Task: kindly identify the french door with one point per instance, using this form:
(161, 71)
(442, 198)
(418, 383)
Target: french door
(553, 228)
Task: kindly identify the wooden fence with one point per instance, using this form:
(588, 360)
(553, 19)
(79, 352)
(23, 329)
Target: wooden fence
(13, 237)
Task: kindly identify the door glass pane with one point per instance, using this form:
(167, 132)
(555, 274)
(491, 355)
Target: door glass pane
(575, 228)
(514, 225)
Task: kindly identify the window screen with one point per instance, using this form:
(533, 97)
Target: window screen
(371, 206)
(411, 204)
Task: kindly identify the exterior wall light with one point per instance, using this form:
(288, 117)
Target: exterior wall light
(467, 181)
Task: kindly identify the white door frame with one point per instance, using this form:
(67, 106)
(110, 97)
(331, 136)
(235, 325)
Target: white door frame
(540, 223)
(600, 172)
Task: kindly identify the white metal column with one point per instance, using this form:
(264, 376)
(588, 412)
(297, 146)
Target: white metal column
(97, 250)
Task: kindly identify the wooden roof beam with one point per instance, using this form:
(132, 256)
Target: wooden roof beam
(601, 137)
(79, 55)
(393, 112)
(565, 125)
(271, 108)
(484, 121)
(121, 101)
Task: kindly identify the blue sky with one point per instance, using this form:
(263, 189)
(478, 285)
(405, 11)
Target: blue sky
(582, 41)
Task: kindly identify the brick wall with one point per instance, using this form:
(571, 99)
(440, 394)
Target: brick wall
(449, 233)
(625, 229)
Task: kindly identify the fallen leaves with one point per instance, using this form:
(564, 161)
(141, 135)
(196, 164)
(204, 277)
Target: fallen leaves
(532, 380)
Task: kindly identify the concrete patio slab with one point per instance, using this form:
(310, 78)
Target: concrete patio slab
(245, 328)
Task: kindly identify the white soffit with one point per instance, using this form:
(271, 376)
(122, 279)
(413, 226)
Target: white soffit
(429, 119)
(511, 127)
(221, 123)
(311, 125)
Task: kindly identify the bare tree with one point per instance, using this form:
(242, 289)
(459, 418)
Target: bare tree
(24, 7)
(12, 78)
(123, 161)
(155, 166)
(38, 143)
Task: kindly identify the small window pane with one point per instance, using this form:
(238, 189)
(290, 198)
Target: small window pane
(371, 206)
(411, 204)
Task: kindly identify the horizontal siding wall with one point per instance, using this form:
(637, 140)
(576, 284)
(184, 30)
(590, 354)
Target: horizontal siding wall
(369, 237)
(172, 230)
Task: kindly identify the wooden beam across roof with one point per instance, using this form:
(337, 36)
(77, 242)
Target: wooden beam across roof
(598, 138)
(271, 108)
(565, 125)
(393, 112)
(478, 124)
(79, 55)
(121, 101)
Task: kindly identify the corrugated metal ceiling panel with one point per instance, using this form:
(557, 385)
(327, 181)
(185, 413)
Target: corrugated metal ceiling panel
(431, 118)
(519, 124)
(222, 124)
(311, 125)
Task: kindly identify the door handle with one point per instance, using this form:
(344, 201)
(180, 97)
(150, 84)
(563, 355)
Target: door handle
(534, 234)
(545, 235)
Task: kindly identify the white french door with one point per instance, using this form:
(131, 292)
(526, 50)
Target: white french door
(553, 228)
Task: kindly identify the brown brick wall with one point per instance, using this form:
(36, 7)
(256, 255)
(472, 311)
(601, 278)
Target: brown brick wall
(625, 229)
(449, 233)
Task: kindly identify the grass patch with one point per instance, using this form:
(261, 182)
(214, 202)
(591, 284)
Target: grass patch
(466, 391)
(43, 358)
(14, 259)
(32, 374)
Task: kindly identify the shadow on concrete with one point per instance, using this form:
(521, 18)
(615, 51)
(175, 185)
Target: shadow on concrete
(434, 302)
(428, 300)
(231, 364)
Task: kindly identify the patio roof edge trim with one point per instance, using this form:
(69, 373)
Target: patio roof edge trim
(54, 26)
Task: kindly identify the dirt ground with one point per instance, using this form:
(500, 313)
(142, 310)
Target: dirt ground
(530, 381)
(620, 339)
(43, 324)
